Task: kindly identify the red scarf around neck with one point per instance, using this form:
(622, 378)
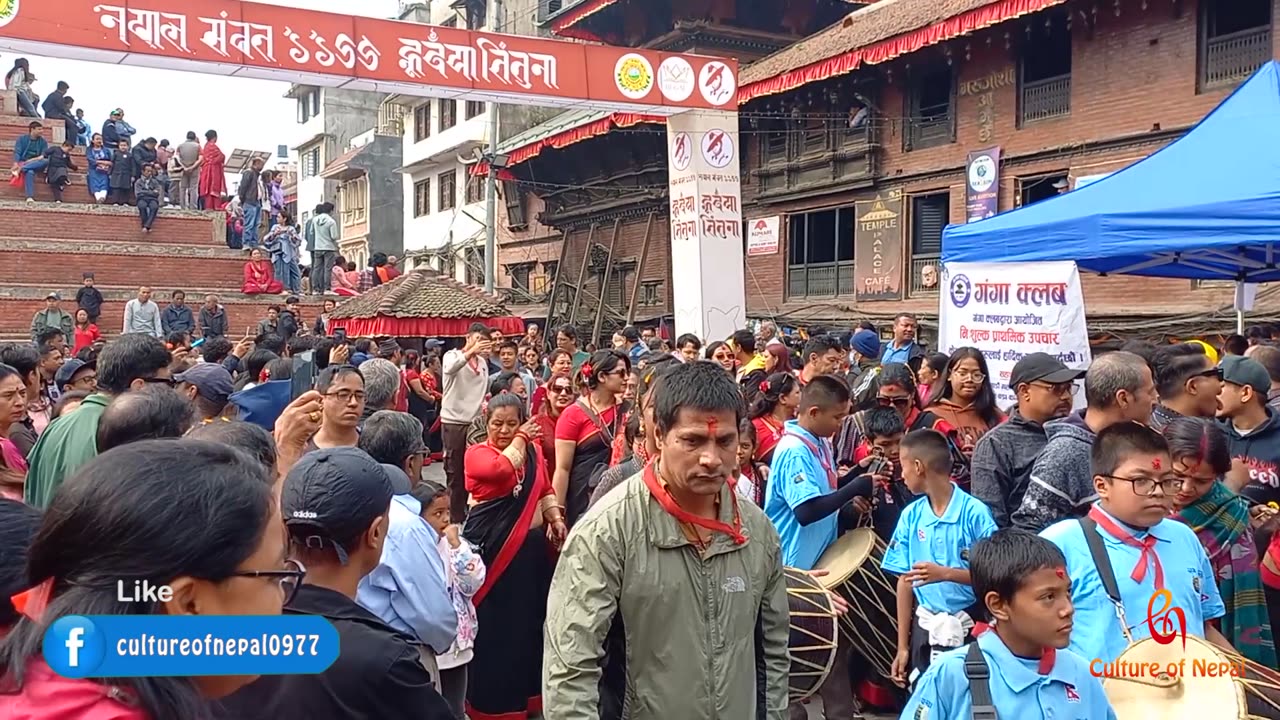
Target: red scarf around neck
(668, 503)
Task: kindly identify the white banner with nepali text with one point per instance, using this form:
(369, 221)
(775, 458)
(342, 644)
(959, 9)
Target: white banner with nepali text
(1009, 310)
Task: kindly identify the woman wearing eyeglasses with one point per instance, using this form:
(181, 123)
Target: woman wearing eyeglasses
(721, 354)
(898, 391)
(551, 400)
(123, 516)
(586, 430)
(963, 396)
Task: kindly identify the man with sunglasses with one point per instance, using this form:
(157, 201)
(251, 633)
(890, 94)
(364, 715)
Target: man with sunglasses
(335, 504)
(1188, 381)
(1118, 389)
(1003, 458)
(1252, 428)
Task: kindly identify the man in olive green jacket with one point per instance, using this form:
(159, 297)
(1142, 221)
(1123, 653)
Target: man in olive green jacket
(693, 596)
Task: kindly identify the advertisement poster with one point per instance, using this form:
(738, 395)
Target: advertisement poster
(763, 236)
(982, 185)
(1008, 310)
(877, 248)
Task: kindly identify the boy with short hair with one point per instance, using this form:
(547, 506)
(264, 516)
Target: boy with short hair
(929, 552)
(1144, 550)
(879, 453)
(89, 298)
(1020, 579)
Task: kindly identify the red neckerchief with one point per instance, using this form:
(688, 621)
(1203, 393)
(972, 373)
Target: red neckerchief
(668, 503)
(822, 457)
(1146, 545)
(1048, 656)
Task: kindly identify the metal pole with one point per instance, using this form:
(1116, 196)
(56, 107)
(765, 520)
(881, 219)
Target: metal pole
(491, 185)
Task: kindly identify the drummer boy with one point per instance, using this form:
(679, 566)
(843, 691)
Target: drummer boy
(1146, 550)
(1021, 580)
(929, 553)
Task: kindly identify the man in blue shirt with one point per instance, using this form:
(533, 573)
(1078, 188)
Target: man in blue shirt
(408, 590)
(803, 500)
(929, 553)
(1021, 582)
(1136, 485)
(904, 348)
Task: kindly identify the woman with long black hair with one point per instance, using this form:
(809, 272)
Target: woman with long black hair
(963, 396)
(586, 430)
(513, 502)
(122, 515)
(779, 397)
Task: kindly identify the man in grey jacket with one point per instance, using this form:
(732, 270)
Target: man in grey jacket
(1118, 388)
(1002, 461)
(322, 240)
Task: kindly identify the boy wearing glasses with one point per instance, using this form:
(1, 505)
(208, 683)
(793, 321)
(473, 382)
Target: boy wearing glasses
(1144, 550)
(1118, 388)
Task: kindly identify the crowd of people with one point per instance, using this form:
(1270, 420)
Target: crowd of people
(615, 526)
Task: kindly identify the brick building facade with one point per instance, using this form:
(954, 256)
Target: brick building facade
(1072, 90)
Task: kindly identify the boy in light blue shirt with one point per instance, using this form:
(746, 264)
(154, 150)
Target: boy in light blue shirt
(1147, 552)
(1029, 674)
(804, 496)
(929, 553)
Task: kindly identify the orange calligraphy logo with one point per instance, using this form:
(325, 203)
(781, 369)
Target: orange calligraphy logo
(1168, 622)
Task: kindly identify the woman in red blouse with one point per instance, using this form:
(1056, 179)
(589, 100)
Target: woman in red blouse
(558, 395)
(86, 332)
(586, 429)
(511, 500)
(779, 397)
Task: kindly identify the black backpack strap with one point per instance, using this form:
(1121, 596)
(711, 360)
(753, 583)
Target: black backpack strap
(1100, 558)
(1106, 572)
(976, 670)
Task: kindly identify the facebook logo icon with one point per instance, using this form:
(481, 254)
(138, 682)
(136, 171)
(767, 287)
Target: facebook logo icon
(74, 647)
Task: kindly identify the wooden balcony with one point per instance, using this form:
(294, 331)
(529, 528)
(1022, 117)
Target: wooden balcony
(1229, 59)
(1045, 99)
(825, 280)
(927, 132)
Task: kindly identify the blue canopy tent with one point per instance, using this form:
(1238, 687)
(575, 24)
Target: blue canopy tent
(1204, 207)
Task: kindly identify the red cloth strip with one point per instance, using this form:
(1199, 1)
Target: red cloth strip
(668, 503)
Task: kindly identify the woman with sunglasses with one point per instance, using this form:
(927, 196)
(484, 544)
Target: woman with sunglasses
(898, 391)
(123, 516)
(963, 396)
(721, 354)
(556, 395)
(779, 397)
(512, 502)
(586, 430)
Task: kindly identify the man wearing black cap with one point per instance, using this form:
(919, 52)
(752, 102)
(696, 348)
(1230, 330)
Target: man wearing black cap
(335, 504)
(1252, 428)
(1003, 457)
(76, 374)
(207, 386)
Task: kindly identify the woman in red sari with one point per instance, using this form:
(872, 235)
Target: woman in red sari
(777, 403)
(259, 276)
(213, 173)
(586, 430)
(556, 396)
(512, 500)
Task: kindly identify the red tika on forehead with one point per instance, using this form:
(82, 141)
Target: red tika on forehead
(1155, 463)
(712, 424)
(1061, 572)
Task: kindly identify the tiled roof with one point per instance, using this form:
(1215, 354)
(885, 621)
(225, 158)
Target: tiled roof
(869, 30)
(422, 294)
(338, 166)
